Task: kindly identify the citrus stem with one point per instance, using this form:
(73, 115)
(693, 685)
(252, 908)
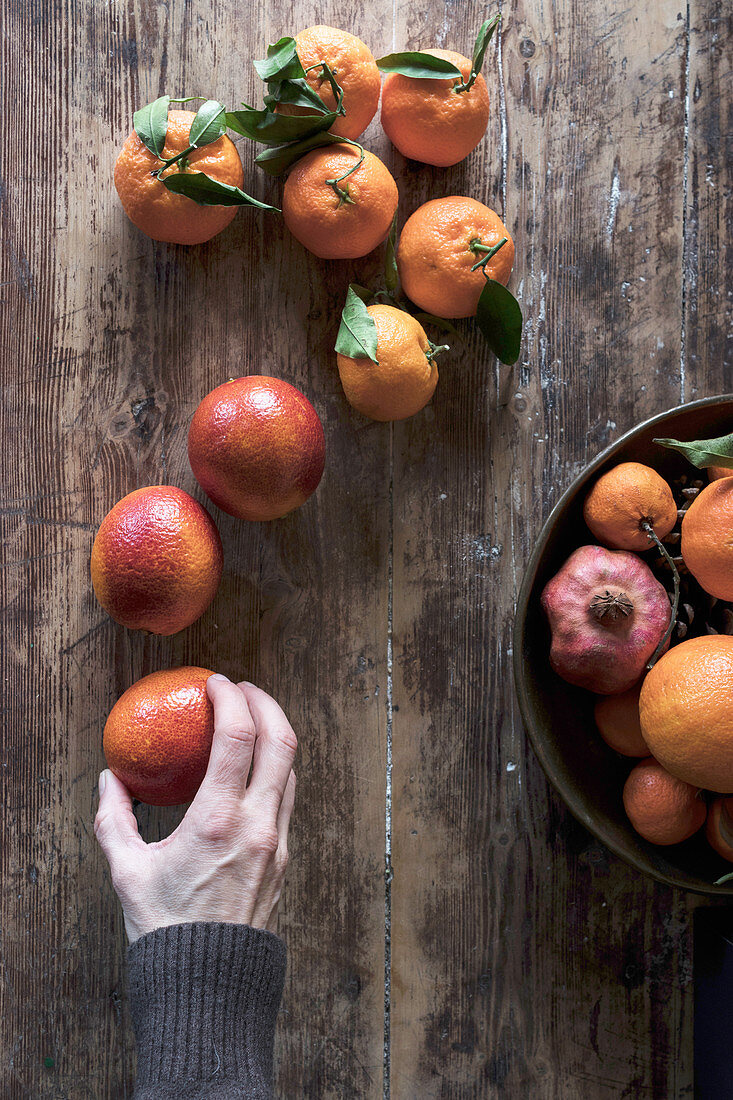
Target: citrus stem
(173, 160)
(343, 192)
(435, 349)
(724, 879)
(653, 537)
(490, 250)
(329, 74)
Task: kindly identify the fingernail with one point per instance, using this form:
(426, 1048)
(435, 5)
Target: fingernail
(102, 782)
(222, 679)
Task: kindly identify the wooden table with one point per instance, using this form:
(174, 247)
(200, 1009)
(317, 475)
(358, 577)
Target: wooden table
(503, 953)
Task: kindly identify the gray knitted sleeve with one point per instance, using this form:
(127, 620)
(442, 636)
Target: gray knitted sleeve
(204, 999)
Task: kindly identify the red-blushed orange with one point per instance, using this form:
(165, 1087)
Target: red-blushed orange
(157, 560)
(256, 447)
(158, 736)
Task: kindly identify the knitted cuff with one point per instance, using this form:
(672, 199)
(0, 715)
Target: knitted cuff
(204, 1000)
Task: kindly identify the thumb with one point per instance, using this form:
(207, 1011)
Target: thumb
(115, 825)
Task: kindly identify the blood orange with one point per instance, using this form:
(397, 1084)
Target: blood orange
(256, 447)
(157, 560)
(158, 735)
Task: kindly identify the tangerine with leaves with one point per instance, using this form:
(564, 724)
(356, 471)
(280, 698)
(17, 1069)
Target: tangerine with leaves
(446, 250)
(256, 447)
(434, 121)
(339, 201)
(158, 735)
(160, 213)
(402, 379)
(156, 560)
(662, 809)
(353, 66)
(707, 538)
(686, 711)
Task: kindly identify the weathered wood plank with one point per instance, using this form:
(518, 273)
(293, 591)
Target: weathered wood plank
(526, 960)
(708, 352)
(109, 343)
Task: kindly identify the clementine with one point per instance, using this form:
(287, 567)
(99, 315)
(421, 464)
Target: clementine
(352, 64)
(160, 213)
(439, 245)
(403, 379)
(662, 809)
(617, 719)
(337, 206)
(686, 711)
(707, 538)
(429, 120)
(623, 500)
(719, 827)
(256, 447)
(156, 560)
(715, 472)
(158, 736)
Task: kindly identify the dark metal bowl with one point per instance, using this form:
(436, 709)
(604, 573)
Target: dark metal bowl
(584, 771)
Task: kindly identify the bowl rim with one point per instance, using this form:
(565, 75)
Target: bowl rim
(520, 679)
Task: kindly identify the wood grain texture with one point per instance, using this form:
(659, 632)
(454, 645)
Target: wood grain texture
(111, 341)
(525, 960)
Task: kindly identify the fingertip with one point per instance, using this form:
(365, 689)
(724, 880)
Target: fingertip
(111, 786)
(214, 683)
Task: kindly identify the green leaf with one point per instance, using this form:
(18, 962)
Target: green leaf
(273, 129)
(704, 452)
(298, 93)
(208, 125)
(482, 40)
(210, 192)
(729, 876)
(282, 62)
(151, 124)
(278, 160)
(391, 275)
(500, 320)
(357, 335)
(419, 66)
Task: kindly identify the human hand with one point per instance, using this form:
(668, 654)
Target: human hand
(226, 860)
